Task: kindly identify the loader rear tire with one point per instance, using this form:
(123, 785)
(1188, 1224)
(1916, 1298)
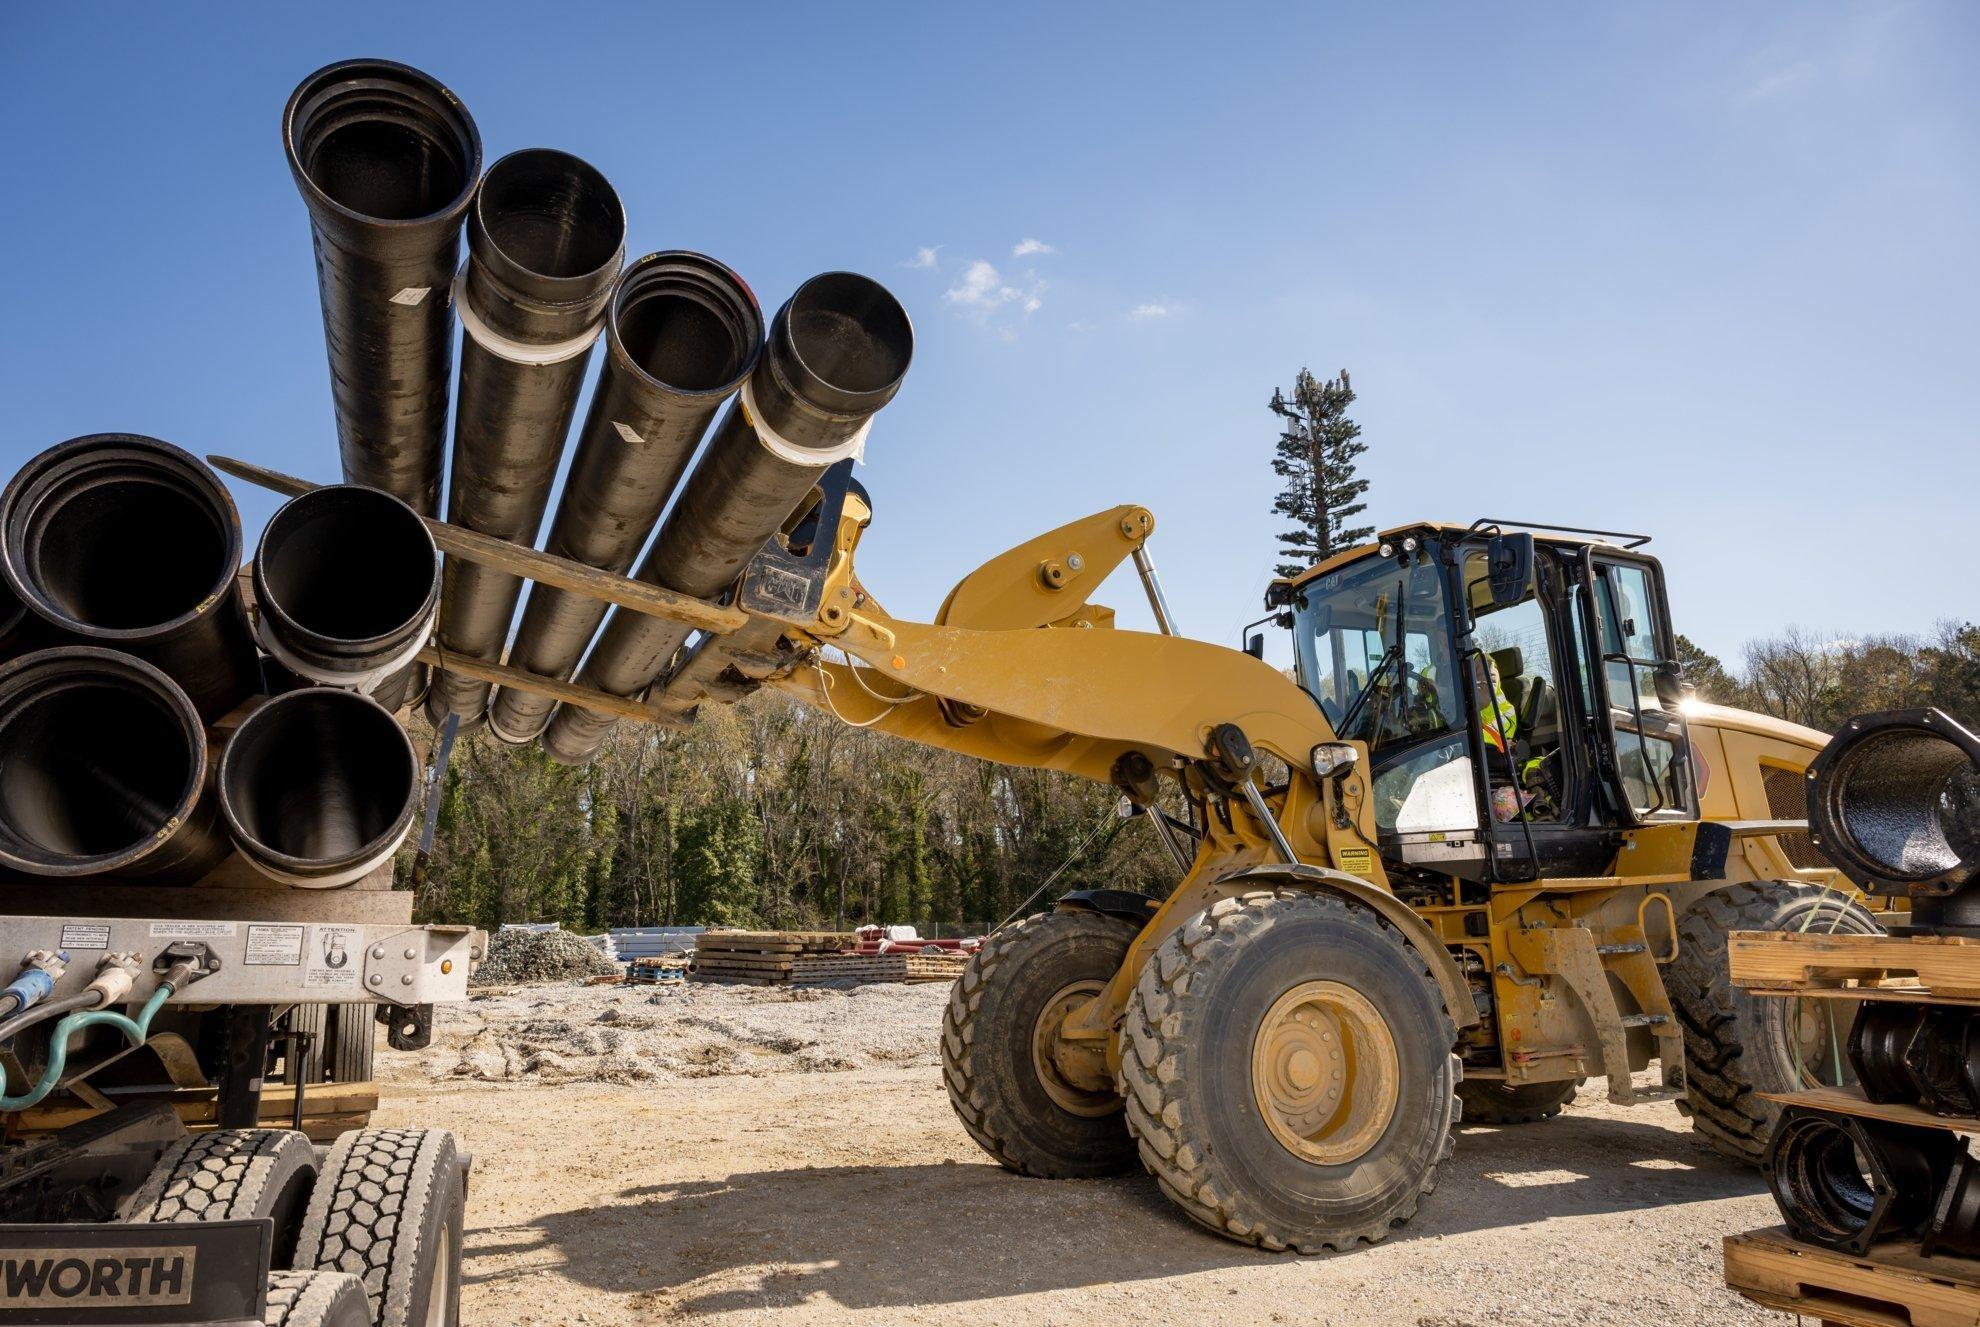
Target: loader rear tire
(999, 1020)
(1489, 1101)
(315, 1299)
(1289, 1073)
(1737, 1045)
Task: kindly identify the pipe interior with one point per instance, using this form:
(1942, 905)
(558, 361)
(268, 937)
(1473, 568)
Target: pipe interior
(1909, 800)
(385, 147)
(348, 564)
(318, 776)
(551, 213)
(850, 332)
(132, 546)
(680, 340)
(94, 767)
(1819, 1175)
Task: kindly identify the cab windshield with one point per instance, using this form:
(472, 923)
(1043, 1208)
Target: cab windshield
(1373, 647)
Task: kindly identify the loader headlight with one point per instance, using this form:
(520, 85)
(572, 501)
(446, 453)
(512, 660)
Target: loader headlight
(1332, 759)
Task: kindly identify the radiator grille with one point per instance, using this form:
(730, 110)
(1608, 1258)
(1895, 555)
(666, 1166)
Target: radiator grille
(1787, 799)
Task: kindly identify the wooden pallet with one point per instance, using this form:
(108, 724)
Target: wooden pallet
(1940, 969)
(1851, 1101)
(820, 968)
(760, 957)
(1892, 1286)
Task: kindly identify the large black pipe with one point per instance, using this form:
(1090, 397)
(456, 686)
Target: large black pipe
(132, 544)
(1894, 801)
(346, 582)
(684, 333)
(836, 354)
(546, 237)
(319, 787)
(386, 159)
(104, 772)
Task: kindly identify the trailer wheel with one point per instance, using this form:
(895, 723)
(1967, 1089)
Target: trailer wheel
(388, 1209)
(1488, 1101)
(1737, 1045)
(353, 1037)
(997, 1035)
(232, 1175)
(1289, 1071)
(316, 1299)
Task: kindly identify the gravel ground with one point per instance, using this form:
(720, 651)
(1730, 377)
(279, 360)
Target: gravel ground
(767, 1183)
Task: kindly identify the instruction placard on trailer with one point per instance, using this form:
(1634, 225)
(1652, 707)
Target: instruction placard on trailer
(274, 946)
(332, 956)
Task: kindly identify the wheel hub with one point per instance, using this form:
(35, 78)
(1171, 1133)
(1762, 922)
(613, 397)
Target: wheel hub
(1325, 1073)
(1059, 1064)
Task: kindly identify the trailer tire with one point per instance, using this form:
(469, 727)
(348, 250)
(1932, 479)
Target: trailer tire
(232, 1175)
(388, 1209)
(353, 1036)
(1737, 1045)
(316, 1299)
(1488, 1101)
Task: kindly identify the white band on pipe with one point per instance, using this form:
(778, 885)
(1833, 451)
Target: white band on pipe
(337, 879)
(784, 449)
(365, 682)
(517, 352)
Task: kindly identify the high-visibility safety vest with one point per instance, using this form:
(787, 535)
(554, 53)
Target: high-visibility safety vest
(1497, 720)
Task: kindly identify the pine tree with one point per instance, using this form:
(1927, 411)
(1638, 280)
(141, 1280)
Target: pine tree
(1317, 451)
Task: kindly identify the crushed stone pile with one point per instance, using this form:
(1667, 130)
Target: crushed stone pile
(522, 956)
(635, 1034)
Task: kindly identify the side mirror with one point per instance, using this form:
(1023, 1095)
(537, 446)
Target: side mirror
(1509, 567)
(1668, 681)
(1255, 646)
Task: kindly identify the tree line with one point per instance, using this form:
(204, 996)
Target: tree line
(1822, 678)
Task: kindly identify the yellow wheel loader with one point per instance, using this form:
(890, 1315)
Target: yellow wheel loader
(1480, 847)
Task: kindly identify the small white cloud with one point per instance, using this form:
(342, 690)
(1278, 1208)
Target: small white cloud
(1026, 247)
(1080, 325)
(924, 257)
(981, 287)
(1147, 312)
(1778, 81)
(1033, 304)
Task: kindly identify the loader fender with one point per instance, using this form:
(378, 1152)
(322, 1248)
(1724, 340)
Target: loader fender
(1456, 991)
(1122, 903)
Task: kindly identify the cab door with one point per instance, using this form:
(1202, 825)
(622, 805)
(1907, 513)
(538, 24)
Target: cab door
(1647, 746)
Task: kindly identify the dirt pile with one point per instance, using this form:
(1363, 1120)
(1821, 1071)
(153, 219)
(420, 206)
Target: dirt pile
(621, 1034)
(524, 956)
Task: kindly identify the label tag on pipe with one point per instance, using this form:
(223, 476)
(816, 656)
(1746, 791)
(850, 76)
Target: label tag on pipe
(786, 450)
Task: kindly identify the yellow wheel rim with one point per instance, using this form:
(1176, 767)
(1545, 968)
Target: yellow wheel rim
(1324, 1072)
(1044, 1044)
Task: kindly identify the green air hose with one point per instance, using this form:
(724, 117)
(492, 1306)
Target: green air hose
(137, 1030)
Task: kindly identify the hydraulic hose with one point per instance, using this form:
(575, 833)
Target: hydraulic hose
(136, 1030)
(837, 352)
(386, 160)
(105, 771)
(129, 543)
(546, 238)
(683, 333)
(346, 583)
(319, 787)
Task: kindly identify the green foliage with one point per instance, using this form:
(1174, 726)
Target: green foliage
(1317, 449)
(1707, 676)
(766, 813)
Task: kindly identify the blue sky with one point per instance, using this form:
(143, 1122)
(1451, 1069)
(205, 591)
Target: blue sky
(1707, 270)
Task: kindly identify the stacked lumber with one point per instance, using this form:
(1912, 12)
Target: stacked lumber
(759, 958)
(820, 969)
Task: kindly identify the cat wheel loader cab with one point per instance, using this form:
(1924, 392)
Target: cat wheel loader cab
(1456, 864)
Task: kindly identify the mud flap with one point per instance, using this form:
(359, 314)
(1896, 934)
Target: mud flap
(106, 1274)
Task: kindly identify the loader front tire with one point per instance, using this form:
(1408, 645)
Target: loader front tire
(1738, 1045)
(997, 1032)
(1288, 1071)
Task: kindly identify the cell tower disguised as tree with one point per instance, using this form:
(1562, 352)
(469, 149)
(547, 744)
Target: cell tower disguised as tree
(1317, 452)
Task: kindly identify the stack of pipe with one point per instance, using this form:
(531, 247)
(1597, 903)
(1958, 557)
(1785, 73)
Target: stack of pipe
(837, 352)
(139, 743)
